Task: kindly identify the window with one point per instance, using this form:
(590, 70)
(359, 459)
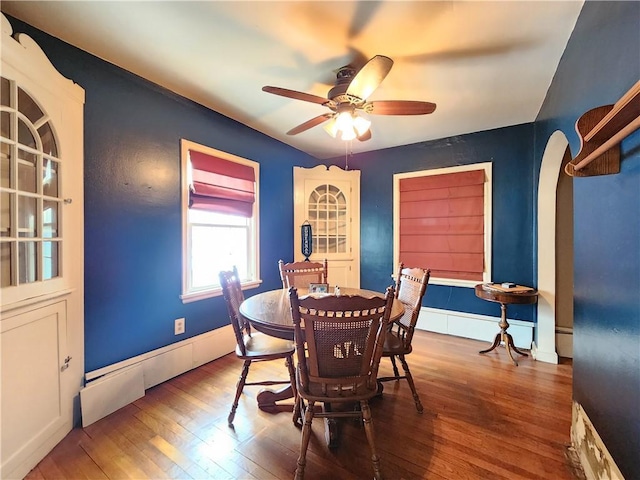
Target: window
(219, 219)
(442, 221)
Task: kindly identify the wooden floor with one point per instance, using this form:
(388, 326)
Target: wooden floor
(484, 418)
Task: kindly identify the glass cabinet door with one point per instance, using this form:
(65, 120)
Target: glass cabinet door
(327, 214)
(30, 193)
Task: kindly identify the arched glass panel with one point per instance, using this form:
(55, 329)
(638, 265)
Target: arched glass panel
(327, 213)
(30, 231)
(48, 140)
(28, 107)
(25, 135)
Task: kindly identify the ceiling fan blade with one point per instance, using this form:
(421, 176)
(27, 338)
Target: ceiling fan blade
(370, 77)
(365, 136)
(310, 124)
(305, 97)
(399, 107)
(363, 15)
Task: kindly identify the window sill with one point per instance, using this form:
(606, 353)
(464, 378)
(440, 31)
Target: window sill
(214, 292)
(455, 283)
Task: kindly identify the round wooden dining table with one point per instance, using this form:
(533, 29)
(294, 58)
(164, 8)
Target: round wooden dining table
(270, 313)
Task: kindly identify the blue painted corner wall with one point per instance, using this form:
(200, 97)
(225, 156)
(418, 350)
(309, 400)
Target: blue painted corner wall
(511, 153)
(600, 64)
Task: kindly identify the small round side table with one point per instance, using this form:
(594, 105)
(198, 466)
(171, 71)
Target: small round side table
(488, 292)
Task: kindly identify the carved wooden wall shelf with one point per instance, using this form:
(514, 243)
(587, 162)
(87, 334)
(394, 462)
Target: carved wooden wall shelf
(601, 130)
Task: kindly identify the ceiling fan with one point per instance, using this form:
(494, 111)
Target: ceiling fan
(349, 96)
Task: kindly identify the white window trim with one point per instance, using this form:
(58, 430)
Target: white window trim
(193, 295)
(488, 209)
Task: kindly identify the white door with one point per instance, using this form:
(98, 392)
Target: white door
(329, 199)
(42, 254)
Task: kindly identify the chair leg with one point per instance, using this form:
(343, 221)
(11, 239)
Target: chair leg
(368, 429)
(396, 373)
(239, 388)
(409, 378)
(297, 420)
(304, 443)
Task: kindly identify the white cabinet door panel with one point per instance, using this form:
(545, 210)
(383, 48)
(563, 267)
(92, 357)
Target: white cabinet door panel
(33, 348)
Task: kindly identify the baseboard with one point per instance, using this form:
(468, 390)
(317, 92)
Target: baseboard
(543, 356)
(595, 459)
(469, 325)
(564, 342)
(114, 386)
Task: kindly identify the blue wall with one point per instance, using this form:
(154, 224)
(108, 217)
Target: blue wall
(601, 62)
(133, 239)
(510, 151)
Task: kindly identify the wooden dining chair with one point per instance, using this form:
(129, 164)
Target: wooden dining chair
(411, 285)
(339, 344)
(252, 346)
(301, 274)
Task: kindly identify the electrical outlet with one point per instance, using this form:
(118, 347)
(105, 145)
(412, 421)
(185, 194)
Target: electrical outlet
(179, 326)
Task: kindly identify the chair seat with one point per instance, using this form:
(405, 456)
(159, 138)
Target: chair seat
(394, 345)
(260, 346)
(361, 391)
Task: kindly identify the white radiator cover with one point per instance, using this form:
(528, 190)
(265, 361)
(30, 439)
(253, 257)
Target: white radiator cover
(470, 325)
(115, 386)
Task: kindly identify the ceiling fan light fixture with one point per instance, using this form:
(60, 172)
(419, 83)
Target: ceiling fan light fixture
(331, 128)
(361, 125)
(348, 96)
(344, 121)
(347, 126)
(348, 134)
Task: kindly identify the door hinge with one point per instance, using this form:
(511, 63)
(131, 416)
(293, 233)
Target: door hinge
(66, 364)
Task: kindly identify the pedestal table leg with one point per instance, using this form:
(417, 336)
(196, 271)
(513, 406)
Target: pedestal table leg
(504, 337)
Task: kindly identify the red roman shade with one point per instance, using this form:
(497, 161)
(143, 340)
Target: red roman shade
(220, 185)
(442, 224)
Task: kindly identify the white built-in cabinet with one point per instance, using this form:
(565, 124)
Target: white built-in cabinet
(328, 198)
(41, 254)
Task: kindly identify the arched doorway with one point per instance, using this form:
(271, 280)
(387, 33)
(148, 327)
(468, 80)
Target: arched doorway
(555, 250)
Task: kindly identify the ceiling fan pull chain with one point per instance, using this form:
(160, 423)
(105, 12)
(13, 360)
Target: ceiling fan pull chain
(348, 152)
(346, 155)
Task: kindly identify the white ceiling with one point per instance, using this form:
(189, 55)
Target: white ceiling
(485, 64)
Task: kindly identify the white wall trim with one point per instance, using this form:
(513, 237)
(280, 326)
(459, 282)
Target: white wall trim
(564, 343)
(114, 386)
(470, 325)
(547, 186)
(226, 346)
